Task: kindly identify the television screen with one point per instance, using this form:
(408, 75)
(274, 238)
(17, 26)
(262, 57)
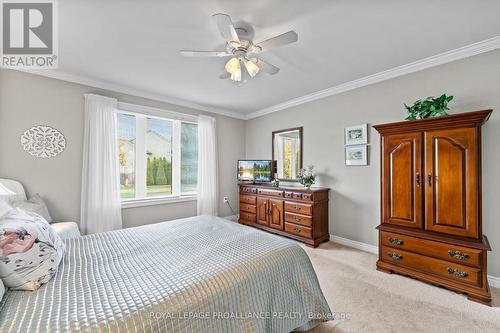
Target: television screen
(255, 170)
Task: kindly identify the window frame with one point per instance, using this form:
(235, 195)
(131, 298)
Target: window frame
(141, 114)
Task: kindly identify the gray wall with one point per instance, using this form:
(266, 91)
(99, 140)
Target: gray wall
(27, 100)
(355, 198)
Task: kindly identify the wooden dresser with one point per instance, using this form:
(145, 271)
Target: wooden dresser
(431, 202)
(297, 213)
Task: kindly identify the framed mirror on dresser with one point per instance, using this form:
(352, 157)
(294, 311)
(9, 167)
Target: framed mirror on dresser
(287, 152)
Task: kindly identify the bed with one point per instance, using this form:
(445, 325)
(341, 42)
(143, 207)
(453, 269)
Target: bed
(200, 274)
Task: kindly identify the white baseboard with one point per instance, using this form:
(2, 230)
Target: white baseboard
(355, 244)
(493, 280)
(232, 217)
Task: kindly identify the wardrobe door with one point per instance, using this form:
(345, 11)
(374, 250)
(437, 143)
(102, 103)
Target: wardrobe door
(452, 178)
(402, 179)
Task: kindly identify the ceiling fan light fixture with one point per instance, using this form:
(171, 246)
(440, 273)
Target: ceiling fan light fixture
(233, 65)
(236, 76)
(252, 68)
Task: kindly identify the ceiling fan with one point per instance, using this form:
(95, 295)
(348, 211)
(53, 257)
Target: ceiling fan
(243, 52)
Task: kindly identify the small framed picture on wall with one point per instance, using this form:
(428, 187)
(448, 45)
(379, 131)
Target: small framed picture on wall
(356, 135)
(356, 155)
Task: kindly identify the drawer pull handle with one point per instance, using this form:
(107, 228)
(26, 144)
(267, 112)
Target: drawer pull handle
(458, 255)
(395, 241)
(457, 273)
(296, 218)
(297, 230)
(395, 256)
(296, 207)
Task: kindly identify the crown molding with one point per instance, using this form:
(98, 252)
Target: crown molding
(440, 59)
(131, 91)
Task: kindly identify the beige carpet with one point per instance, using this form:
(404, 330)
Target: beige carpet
(380, 302)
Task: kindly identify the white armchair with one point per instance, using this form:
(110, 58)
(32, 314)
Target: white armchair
(65, 230)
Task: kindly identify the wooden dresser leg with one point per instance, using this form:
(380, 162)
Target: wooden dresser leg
(486, 300)
(383, 269)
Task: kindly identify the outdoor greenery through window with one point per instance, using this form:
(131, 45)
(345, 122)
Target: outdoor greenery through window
(158, 157)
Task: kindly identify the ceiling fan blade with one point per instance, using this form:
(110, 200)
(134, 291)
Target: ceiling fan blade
(266, 67)
(226, 27)
(189, 53)
(271, 43)
(224, 76)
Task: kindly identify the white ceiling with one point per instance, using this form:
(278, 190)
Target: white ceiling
(135, 44)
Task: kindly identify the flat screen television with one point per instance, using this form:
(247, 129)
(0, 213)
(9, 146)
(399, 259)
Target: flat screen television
(257, 171)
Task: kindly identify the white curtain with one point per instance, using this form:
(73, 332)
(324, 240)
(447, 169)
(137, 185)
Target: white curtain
(207, 166)
(100, 199)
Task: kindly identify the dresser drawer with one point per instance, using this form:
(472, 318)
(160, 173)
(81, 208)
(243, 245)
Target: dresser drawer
(248, 208)
(248, 217)
(449, 252)
(307, 196)
(298, 219)
(248, 199)
(301, 208)
(248, 190)
(272, 193)
(446, 269)
(298, 230)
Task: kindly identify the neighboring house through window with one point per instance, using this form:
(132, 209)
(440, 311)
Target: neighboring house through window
(158, 156)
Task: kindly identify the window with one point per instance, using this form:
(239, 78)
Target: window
(158, 156)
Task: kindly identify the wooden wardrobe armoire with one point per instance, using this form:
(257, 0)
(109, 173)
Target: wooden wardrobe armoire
(431, 202)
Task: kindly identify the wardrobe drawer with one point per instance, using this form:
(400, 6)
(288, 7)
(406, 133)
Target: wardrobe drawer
(272, 193)
(301, 208)
(248, 217)
(248, 208)
(298, 230)
(298, 219)
(248, 199)
(446, 269)
(449, 252)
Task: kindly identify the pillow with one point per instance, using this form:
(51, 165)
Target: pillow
(30, 250)
(34, 205)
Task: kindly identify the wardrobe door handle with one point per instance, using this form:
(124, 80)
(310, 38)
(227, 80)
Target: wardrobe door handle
(417, 179)
(429, 179)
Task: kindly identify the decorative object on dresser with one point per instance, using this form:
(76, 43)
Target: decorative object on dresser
(298, 213)
(431, 226)
(307, 176)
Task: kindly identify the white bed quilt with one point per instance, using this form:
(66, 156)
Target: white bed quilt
(201, 274)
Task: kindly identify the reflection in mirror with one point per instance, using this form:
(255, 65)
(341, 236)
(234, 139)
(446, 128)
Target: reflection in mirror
(287, 152)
